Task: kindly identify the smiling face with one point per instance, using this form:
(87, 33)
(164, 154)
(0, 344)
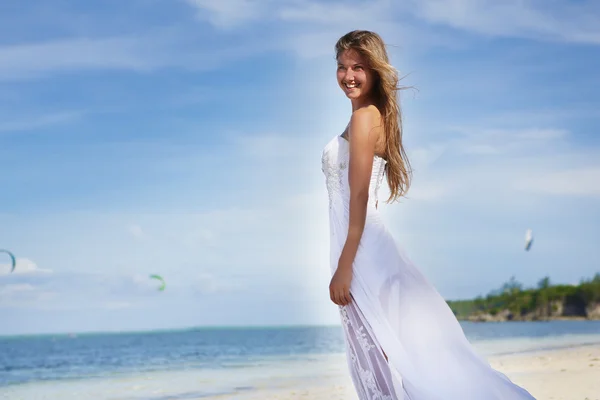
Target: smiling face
(354, 76)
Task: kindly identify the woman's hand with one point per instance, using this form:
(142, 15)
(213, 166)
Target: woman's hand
(339, 288)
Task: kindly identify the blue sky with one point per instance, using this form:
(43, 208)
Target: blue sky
(184, 138)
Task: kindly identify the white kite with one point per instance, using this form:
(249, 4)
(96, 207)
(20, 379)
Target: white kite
(528, 239)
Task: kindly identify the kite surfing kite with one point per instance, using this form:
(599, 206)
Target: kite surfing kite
(13, 260)
(528, 239)
(162, 281)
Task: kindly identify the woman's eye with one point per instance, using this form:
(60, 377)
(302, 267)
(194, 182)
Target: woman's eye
(358, 68)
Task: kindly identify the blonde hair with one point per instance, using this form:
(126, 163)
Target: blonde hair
(371, 46)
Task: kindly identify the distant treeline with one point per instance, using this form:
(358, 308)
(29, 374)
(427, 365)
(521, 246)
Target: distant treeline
(547, 301)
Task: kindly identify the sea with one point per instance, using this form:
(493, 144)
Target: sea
(205, 362)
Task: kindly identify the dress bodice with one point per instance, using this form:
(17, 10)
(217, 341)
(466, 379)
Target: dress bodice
(335, 160)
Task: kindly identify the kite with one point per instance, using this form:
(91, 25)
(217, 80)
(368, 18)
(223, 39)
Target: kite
(163, 283)
(528, 239)
(13, 260)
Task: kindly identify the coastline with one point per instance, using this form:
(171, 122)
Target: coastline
(506, 317)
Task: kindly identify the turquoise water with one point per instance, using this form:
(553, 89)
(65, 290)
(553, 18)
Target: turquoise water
(210, 360)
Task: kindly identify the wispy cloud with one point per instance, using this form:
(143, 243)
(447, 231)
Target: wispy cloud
(60, 291)
(33, 59)
(141, 53)
(512, 141)
(561, 21)
(538, 161)
(147, 52)
(584, 182)
(19, 295)
(553, 20)
(335, 13)
(305, 28)
(23, 266)
(229, 13)
(39, 121)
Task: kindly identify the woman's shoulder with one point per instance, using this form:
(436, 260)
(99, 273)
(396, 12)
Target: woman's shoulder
(366, 119)
(366, 116)
(370, 111)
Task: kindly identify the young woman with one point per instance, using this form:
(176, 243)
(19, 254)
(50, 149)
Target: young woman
(402, 339)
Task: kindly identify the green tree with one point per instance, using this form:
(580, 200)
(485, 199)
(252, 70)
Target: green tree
(512, 286)
(544, 283)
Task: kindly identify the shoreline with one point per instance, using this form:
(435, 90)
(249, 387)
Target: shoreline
(562, 372)
(489, 318)
(200, 328)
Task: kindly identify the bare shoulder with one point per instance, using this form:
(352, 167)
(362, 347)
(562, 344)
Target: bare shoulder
(365, 124)
(366, 117)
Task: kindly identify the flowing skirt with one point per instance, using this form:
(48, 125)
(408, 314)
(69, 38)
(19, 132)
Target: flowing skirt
(402, 339)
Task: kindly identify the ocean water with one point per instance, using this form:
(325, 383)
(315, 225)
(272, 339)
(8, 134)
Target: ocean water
(197, 363)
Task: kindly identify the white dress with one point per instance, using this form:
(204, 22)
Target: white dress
(397, 311)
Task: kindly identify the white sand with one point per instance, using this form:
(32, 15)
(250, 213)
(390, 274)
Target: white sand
(566, 374)
(569, 374)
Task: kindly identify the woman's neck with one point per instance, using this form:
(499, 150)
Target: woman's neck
(359, 103)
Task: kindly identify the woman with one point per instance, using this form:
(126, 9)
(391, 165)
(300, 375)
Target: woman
(402, 339)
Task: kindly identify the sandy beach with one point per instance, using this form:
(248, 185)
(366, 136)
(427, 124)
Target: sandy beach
(565, 374)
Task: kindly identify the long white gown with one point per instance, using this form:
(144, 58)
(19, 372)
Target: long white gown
(396, 311)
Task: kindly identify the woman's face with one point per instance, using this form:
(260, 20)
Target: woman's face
(354, 76)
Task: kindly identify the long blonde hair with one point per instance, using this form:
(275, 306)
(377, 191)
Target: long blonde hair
(371, 46)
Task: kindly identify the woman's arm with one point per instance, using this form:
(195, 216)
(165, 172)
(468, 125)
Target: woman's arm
(363, 138)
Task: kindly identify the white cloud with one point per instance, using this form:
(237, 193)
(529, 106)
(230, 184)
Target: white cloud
(511, 141)
(571, 182)
(306, 28)
(558, 21)
(335, 13)
(309, 29)
(228, 13)
(141, 53)
(23, 266)
(65, 291)
(473, 163)
(19, 295)
(424, 156)
(550, 20)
